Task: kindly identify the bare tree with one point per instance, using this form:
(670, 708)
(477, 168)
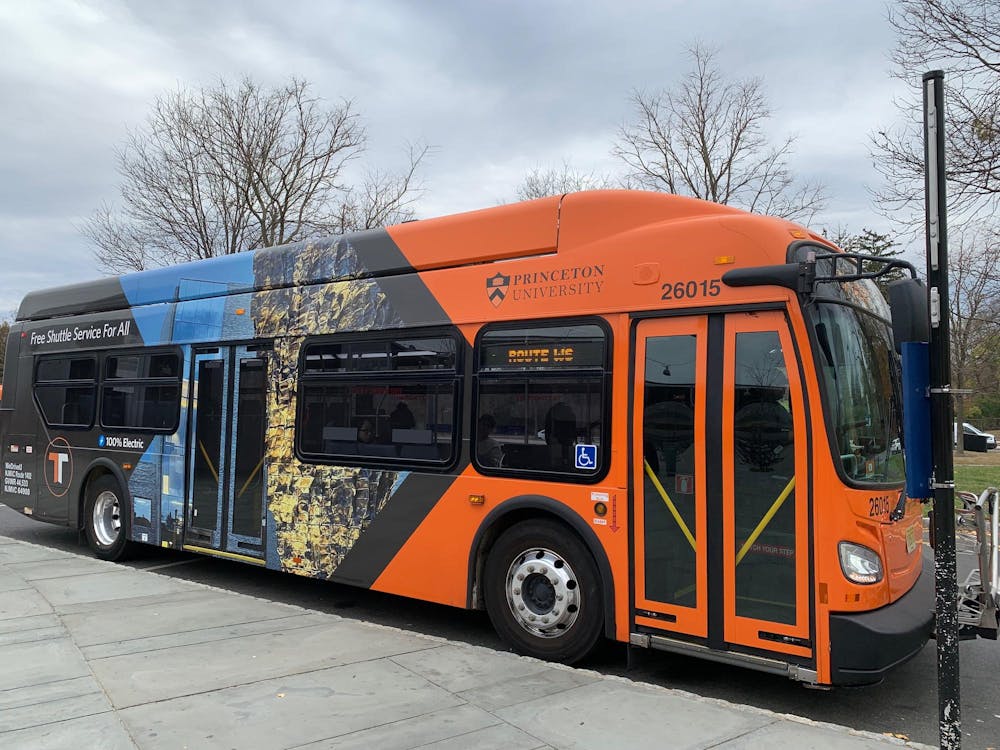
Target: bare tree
(974, 276)
(543, 182)
(963, 38)
(706, 137)
(383, 197)
(229, 168)
(120, 244)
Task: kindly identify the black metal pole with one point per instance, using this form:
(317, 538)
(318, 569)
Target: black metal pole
(945, 581)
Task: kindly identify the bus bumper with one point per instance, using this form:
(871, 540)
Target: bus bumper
(864, 646)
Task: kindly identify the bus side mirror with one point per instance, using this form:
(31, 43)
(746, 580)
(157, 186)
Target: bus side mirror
(908, 302)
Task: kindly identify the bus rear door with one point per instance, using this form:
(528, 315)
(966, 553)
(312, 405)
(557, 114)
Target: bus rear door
(720, 505)
(226, 486)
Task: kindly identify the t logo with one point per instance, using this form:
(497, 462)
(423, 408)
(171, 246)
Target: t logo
(58, 466)
(58, 459)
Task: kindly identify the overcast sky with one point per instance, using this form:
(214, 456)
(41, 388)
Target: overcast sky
(497, 88)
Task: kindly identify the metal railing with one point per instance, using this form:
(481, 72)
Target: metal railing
(979, 596)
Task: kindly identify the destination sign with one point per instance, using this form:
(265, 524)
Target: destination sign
(546, 347)
(540, 355)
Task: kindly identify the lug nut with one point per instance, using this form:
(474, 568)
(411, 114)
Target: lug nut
(517, 591)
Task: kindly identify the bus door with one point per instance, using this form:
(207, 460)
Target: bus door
(226, 487)
(721, 512)
(670, 493)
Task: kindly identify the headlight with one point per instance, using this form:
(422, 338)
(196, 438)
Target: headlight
(860, 564)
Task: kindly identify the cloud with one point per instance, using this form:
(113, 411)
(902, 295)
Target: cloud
(39, 253)
(497, 88)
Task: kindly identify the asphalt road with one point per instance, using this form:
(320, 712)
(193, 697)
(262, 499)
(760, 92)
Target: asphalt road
(905, 703)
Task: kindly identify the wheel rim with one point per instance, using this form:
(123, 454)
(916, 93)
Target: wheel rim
(542, 593)
(107, 518)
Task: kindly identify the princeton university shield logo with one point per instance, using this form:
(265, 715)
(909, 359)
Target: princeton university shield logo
(496, 288)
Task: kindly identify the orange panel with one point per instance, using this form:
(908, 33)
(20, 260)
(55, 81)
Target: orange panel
(433, 564)
(594, 215)
(606, 251)
(511, 231)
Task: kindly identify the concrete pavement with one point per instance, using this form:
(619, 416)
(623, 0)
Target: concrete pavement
(96, 655)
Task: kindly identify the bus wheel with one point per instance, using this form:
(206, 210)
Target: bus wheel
(543, 592)
(106, 519)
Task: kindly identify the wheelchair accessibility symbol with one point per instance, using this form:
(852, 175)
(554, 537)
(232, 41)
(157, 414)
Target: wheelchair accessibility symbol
(586, 456)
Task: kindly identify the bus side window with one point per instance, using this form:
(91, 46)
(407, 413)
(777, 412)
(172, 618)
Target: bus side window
(113, 408)
(416, 444)
(141, 391)
(65, 389)
(390, 398)
(541, 391)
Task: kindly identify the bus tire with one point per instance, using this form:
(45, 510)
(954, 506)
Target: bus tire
(543, 592)
(106, 518)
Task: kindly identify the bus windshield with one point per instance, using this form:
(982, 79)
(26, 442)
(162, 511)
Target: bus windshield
(862, 401)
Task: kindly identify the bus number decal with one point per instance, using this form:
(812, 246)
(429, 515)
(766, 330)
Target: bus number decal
(878, 506)
(691, 289)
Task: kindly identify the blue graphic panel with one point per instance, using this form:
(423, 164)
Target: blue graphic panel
(214, 319)
(171, 509)
(142, 510)
(144, 488)
(153, 322)
(202, 278)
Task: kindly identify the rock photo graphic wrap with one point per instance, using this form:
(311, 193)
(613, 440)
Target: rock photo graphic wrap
(318, 513)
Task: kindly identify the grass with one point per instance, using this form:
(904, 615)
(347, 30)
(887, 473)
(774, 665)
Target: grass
(974, 472)
(975, 479)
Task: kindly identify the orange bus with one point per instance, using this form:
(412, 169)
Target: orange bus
(605, 414)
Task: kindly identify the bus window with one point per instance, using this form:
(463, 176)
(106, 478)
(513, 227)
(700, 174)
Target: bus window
(141, 392)
(65, 390)
(379, 399)
(541, 396)
(856, 359)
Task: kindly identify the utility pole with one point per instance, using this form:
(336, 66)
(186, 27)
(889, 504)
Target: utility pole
(945, 574)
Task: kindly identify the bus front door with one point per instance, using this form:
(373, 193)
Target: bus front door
(671, 587)
(225, 503)
(720, 503)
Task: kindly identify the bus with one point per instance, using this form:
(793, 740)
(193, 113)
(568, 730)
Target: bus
(612, 414)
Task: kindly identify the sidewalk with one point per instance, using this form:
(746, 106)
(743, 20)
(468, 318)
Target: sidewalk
(95, 655)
